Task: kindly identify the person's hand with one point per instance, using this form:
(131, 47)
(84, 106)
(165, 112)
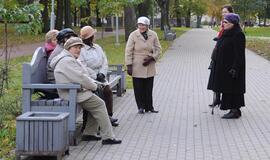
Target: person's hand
(101, 77)
(100, 86)
(233, 73)
(129, 70)
(147, 60)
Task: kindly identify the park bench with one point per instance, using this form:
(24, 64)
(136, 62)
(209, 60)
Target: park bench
(35, 78)
(168, 34)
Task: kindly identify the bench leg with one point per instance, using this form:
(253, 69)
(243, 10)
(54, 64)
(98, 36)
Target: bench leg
(59, 156)
(18, 157)
(72, 138)
(119, 90)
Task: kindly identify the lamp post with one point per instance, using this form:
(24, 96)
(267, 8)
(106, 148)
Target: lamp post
(52, 17)
(117, 31)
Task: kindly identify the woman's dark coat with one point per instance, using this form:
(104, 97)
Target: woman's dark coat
(229, 53)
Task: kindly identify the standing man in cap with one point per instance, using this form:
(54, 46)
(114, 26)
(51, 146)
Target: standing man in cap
(67, 69)
(228, 74)
(94, 58)
(141, 53)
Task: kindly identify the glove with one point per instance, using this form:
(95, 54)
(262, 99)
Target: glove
(147, 60)
(99, 88)
(211, 65)
(233, 73)
(215, 39)
(129, 70)
(101, 77)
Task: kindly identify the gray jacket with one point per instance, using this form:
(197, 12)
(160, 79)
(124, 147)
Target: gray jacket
(68, 70)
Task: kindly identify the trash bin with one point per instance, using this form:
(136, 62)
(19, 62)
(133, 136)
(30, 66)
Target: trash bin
(42, 134)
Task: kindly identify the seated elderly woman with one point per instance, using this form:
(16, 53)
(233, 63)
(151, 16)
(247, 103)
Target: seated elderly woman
(67, 69)
(93, 57)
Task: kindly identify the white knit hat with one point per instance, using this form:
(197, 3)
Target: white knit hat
(143, 20)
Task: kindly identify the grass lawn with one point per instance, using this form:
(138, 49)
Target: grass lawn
(257, 44)
(10, 103)
(258, 31)
(260, 46)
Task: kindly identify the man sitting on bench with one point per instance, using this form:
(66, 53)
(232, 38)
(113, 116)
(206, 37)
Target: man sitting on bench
(67, 69)
(93, 57)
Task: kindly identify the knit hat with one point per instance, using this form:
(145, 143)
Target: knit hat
(143, 20)
(87, 32)
(73, 41)
(232, 18)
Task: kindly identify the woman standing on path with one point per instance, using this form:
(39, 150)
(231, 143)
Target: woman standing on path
(141, 53)
(216, 96)
(228, 74)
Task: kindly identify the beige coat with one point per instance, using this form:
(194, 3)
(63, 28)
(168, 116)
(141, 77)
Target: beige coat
(68, 70)
(137, 49)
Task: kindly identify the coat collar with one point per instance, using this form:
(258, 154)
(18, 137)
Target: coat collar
(140, 36)
(232, 31)
(88, 47)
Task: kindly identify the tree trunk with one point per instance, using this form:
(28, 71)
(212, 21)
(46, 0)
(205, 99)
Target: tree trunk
(59, 15)
(130, 20)
(67, 14)
(82, 14)
(178, 13)
(164, 6)
(45, 16)
(98, 20)
(198, 24)
(75, 16)
(85, 14)
(187, 18)
(88, 13)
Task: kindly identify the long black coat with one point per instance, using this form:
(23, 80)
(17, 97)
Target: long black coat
(229, 53)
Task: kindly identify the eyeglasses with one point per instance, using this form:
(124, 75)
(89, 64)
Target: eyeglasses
(143, 25)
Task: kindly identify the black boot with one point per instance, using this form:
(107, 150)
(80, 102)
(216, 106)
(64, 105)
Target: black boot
(233, 114)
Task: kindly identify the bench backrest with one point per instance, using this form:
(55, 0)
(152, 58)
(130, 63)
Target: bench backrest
(169, 34)
(36, 70)
(166, 29)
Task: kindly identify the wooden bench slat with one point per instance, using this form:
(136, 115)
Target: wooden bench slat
(51, 86)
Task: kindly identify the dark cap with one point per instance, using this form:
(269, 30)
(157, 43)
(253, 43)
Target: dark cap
(65, 33)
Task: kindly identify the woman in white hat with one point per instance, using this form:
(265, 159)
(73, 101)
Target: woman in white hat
(141, 53)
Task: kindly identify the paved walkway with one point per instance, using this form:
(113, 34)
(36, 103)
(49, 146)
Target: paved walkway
(185, 129)
(28, 49)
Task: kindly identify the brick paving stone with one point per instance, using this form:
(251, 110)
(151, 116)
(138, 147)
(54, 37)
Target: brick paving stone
(185, 129)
